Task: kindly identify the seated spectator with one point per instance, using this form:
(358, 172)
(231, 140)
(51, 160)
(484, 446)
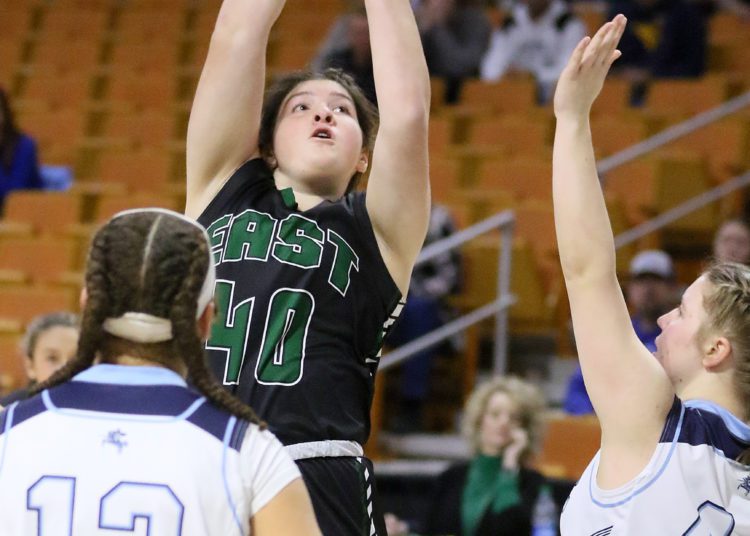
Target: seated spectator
(19, 166)
(537, 38)
(49, 342)
(732, 242)
(663, 39)
(352, 53)
(494, 493)
(426, 309)
(455, 34)
(650, 293)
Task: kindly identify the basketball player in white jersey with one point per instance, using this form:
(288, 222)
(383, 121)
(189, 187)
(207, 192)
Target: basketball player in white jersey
(674, 438)
(145, 441)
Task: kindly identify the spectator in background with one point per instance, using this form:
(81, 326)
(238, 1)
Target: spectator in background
(426, 309)
(49, 342)
(663, 39)
(650, 293)
(537, 37)
(352, 53)
(732, 242)
(494, 493)
(455, 35)
(19, 166)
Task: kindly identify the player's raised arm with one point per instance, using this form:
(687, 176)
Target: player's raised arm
(398, 193)
(289, 513)
(629, 390)
(225, 117)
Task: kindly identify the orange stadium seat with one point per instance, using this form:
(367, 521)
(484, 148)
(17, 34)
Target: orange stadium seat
(127, 88)
(614, 97)
(12, 371)
(18, 21)
(569, 444)
(508, 95)
(443, 178)
(57, 131)
(10, 59)
(480, 203)
(681, 177)
(110, 205)
(612, 134)
(62, 24)
(531, 311)
(521, 135)
(293, 55)
(527, 178)
(70, 90)
(151, 128)
(146, 169)
(23, 303)
(44, 260)
(60, 57)
(724, 144)
(143, 57)
(687, 97)
(47, 212)
(535, 224)
(153, 25)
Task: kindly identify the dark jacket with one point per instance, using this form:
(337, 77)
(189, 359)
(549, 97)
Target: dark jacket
(444, 513)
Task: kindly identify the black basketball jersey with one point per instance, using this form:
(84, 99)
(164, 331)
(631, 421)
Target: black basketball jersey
(303, 302)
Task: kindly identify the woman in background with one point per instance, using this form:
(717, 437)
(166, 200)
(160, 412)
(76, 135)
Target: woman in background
(493, 493)
(49, 342)
(19, 165)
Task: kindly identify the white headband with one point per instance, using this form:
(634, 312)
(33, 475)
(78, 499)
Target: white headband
(146, 328)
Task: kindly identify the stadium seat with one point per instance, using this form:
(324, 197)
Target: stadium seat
(47, 212)
(23, 303)
(569, 443)
(44, 260)
(509, 95)
(519, 134)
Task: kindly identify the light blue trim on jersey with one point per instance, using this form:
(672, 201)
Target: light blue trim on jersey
(227, 436)
(130, 375)
(645, 486)
(6, 432)
(97, 415)
(735, 426)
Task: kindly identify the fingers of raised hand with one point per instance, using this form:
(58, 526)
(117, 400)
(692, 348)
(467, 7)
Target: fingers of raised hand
(608, 50)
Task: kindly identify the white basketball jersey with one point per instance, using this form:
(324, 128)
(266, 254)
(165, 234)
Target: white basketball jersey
(131, 450)
(691, 485)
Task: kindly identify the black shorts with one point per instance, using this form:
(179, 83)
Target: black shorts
(343, 494)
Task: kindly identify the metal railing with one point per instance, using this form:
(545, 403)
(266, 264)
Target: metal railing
(504, 221)
(672, 133)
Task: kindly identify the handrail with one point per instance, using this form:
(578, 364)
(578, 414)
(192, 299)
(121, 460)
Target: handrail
(500, 305)
(681, 210)
(670, 134)
(504, 221)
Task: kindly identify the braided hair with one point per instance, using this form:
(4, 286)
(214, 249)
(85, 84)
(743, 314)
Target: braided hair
(152, 262)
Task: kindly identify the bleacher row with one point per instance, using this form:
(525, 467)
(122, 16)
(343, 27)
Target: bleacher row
(105, 87)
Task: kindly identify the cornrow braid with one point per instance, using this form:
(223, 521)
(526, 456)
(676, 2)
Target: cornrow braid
(187, 343)
(96, 311)
(153, 263)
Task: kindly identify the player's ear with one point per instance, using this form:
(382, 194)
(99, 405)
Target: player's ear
(83, 298)
(205, 320)
(363, 162)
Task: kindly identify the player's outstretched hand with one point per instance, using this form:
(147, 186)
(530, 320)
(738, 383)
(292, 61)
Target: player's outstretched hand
(583, 76)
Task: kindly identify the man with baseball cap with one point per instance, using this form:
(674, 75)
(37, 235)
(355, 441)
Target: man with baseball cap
(650, 293)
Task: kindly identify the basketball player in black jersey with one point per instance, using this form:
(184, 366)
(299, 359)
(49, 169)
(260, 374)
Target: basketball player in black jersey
(310, 273)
